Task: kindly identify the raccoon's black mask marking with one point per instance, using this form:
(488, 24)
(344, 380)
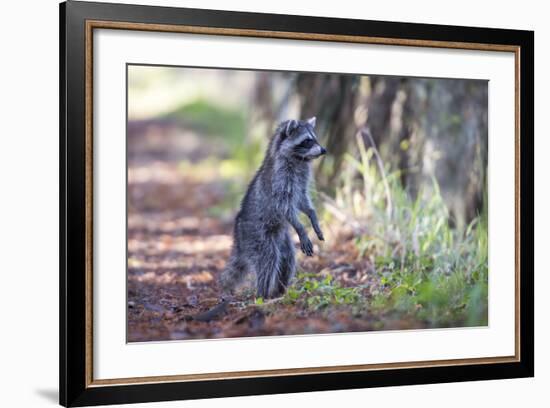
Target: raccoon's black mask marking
(308, 148)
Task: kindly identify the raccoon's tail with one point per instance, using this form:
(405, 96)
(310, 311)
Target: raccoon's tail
(233, 274)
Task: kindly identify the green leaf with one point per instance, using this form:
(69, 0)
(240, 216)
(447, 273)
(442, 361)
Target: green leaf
(328, 279)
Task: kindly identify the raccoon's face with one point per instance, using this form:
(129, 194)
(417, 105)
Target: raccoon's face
(300, 141)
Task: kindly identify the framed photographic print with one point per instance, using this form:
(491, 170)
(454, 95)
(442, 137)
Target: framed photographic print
(256, 203)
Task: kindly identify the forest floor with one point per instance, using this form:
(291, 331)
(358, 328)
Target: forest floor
(177, 248)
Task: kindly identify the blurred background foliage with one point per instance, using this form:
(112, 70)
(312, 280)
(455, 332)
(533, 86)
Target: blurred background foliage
(423, 128)
(405, 178)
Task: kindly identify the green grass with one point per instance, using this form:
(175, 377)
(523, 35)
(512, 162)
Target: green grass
(426, 269)
(314, 292)
(212, 120)
(225, 126)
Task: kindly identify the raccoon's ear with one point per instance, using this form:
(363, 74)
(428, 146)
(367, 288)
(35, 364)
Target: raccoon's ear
(312, 121)
(291, 125)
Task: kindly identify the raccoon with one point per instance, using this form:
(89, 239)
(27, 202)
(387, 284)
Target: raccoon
(278, 192)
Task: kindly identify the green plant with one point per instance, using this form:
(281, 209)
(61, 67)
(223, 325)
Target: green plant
(319, 291)
(211, 119)
(425, 267)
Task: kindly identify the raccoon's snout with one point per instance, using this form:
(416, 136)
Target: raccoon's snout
(317, 151)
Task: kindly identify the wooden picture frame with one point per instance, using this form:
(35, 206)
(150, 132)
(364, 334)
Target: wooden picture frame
(78, 20)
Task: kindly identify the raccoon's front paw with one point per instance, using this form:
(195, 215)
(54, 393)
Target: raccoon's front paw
(320, 235)
(306, 246)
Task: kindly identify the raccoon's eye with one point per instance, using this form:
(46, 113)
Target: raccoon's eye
(306, 144)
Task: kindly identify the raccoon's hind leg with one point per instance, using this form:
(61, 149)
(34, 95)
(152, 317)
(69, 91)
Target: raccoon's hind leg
(234, 272)
(287, 263)
(268, 269)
